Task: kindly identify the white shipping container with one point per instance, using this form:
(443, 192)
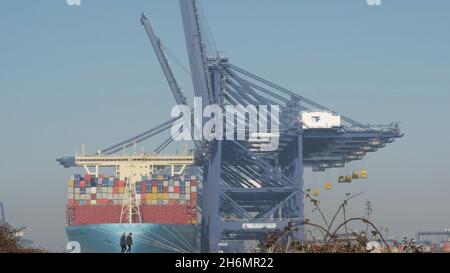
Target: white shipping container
(110, 196)
(70, 190)
(110, 190)
(166, 183)
(154, 202)
(187, 196)
(70, 196)
(165, 202)
(171, 195)
(320, 120)
(120, 196)
(82, 196)
(76, 196)
(176, 196)
(193, 189)
(171, 189)
(88, 190)
(93, 202)
(94, 190)
(115, 196)
(77, 190)
(177, 183)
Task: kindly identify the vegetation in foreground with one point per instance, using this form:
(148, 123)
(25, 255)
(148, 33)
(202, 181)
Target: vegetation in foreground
(10, 243)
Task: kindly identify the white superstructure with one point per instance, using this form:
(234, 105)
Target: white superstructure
(320, 120)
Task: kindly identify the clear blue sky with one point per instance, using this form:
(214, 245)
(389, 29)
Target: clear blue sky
(74, 75)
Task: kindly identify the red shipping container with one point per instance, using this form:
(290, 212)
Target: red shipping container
(163, 214)
(93, 196)
(115, 189)
(121, 183)
(82, 183)
(116, 183)
(87, 177)
(177, 189)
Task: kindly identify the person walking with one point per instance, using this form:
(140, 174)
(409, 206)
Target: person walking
(123, 242)
(129, 242)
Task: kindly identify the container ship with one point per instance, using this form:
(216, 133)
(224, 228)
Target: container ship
(160, 211)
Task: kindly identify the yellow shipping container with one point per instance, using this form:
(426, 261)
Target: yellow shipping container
(121, 190)
(160, 178)
(165, 196)
(71, 183)
(154, 189)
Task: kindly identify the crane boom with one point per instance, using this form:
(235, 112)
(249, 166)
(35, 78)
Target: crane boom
(173, 84)
(195, 48)
(157, 46)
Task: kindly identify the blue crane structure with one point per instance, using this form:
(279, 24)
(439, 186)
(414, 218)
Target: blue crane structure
(246, 190)
(2, 215)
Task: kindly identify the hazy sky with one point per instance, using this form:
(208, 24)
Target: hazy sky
(74, 75)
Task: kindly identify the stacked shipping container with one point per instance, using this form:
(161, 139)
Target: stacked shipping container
(159, 190)
(163, 199)
(90, 190)
(166, 190)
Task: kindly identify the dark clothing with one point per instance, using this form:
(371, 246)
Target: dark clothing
(129, 243)
(123, 243)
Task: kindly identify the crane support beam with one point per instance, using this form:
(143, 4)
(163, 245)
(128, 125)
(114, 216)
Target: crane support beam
(195, 50)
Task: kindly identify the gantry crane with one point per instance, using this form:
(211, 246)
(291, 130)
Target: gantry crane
(246, 190)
